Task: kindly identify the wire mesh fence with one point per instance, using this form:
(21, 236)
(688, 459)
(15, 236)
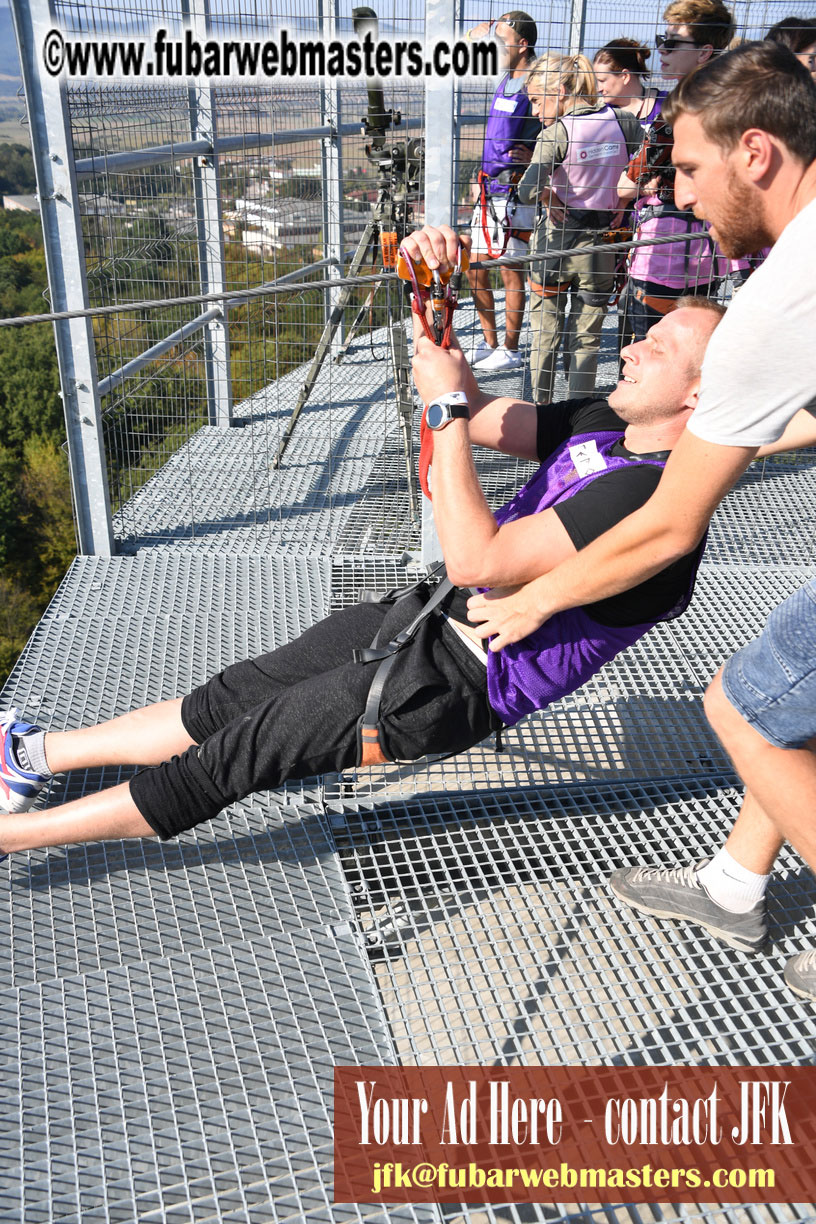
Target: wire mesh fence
(478, 891)
(184, 190)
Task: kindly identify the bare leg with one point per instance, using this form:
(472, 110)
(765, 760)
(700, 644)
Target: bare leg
(143, 737)
(483, 301)
(102, 816)
(782, 781)
(514, 302)
(754, 841)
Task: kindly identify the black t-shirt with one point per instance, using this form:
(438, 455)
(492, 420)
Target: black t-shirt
(604, 502)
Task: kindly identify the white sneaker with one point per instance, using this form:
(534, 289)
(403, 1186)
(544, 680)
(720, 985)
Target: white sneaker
(500, 359)
(18, 787)
(481, 351)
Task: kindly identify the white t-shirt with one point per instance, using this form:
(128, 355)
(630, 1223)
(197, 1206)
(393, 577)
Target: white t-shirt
(760, 365)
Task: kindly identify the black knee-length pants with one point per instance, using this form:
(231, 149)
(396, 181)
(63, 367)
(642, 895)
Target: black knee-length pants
(293, 713)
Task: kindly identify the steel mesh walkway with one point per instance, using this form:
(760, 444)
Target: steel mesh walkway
(171, 1013)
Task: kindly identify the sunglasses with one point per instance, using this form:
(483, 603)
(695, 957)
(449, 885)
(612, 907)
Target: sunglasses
(667, 42)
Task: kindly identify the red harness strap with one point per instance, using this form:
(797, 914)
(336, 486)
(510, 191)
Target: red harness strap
(444, 295)
(483, 179)
(425, 455)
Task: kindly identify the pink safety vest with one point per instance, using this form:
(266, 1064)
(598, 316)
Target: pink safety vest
(682, 265)
(595, 159)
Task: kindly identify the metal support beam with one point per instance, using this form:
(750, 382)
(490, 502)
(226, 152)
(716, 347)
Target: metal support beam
(210, 230)
(331, 160)
(577, 26)
(65, 260)
(440, 22)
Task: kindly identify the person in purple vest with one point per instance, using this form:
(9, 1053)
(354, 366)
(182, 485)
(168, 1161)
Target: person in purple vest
(296, 712)
(745, 151)
(501, 226)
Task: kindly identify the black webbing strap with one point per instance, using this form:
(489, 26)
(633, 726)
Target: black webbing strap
(369, 747)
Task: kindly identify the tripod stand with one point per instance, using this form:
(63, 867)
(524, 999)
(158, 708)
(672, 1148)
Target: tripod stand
(398, 170)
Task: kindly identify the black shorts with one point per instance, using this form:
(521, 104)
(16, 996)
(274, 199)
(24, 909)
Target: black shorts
(293, 713)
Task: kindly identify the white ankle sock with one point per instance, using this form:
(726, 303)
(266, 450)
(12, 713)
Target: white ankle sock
(30, 752)
(730, 884)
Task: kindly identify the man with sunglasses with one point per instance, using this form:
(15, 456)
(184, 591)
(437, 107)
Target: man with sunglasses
(696, 31)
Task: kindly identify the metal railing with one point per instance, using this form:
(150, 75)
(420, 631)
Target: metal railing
(175, 193)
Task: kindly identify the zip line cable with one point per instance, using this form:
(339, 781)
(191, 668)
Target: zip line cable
(236, 297)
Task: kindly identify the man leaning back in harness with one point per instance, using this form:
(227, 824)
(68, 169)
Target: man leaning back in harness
(745, 154)
(414, 682)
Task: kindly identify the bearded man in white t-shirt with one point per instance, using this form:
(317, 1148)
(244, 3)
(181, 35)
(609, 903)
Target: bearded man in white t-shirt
(745, 153)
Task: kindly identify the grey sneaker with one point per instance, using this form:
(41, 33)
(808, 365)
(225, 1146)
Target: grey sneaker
(676, 892)
(800, 974)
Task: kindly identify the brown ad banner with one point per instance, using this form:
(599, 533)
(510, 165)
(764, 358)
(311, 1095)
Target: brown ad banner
(575, 1134)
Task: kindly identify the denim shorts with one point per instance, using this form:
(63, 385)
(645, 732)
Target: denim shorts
(771, 682)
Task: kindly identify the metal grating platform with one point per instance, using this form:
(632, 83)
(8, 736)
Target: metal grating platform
(496, 940)
(196, 1087)
(172, 1012)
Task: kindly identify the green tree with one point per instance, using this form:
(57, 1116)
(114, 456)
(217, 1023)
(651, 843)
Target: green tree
(12, 241)
(45, 515)
(16, 170)
(29, 386)
(9, 504)
(36, 521)
(19, 612)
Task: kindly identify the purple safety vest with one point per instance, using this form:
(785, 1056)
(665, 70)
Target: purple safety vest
(657, 108)
(570, 647)
(505, 128)
(596, 157)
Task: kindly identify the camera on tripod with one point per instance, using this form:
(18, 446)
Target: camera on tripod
(400, 164)
(399, 171)
(402, 161)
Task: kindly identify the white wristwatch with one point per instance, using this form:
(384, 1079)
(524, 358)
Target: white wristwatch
(447, 408)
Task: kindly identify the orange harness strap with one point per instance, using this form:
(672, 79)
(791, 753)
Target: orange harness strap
(371, 752)
(661, 305)
(547, 291)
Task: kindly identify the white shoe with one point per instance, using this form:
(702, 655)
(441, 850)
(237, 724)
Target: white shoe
(500, 359)
(18, 787)
(481, 351)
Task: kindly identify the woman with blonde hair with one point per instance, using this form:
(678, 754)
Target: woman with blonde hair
(580, 154)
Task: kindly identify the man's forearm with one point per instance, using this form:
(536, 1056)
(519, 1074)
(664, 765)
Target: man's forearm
(667, 527)
(801, 431)
(629, 553)
(464, 522)
(671, 523)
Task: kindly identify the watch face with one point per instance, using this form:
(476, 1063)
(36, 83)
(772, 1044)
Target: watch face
(436, 415)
